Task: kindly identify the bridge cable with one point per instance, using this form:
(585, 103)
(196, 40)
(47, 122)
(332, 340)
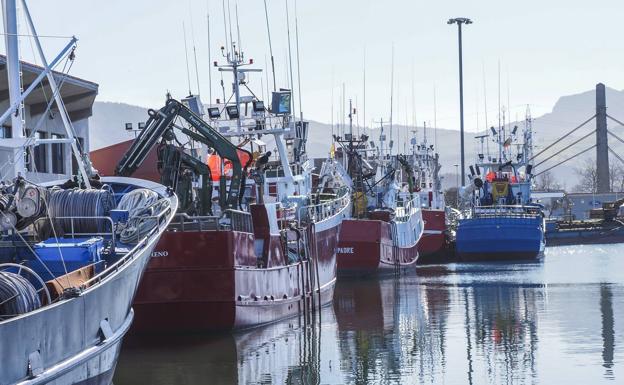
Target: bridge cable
(616, 155)
(565, 148)
(615, 120)
(563, 161)
(563, 137)
(615, 136)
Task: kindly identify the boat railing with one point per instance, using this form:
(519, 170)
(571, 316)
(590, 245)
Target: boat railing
(73, 233)
(240, 221)
(277, 171)
(325, 209)
(142, 240)
(508, 211)
(184, 222)
(405, 209)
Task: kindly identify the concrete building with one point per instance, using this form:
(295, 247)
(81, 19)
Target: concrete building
(47, 161)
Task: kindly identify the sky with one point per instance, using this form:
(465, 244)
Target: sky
(135, 50)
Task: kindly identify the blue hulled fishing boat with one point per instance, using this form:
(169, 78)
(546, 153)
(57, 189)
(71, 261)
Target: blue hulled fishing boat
(500, 222)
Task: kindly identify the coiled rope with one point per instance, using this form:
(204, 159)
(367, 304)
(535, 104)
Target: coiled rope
(143, 206)
(79, 203)
(17, 295)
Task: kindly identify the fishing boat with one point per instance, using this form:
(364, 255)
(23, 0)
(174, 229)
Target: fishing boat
(386, 224)
(425, 161)
(72, 251)
(260, 245)
(501, 222)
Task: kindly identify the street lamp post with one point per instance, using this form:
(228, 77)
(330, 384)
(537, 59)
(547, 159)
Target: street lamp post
(457, 185)
(459, 21)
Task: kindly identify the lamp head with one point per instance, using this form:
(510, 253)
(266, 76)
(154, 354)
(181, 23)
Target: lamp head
(459, 20)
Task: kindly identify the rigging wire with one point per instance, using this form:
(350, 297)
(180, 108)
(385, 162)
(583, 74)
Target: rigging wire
(32, 134)
(39, 36)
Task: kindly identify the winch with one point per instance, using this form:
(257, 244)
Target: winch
(21, 203)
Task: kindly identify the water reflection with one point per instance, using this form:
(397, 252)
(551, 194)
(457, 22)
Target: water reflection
(608, 332)
(556, 322)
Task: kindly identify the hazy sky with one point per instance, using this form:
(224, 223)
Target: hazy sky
(547, 48)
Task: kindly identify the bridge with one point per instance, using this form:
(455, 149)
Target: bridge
(601, 146)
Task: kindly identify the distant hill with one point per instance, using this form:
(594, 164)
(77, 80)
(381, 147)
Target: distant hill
(107, 127)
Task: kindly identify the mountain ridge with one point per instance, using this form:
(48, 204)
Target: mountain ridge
(107, 127)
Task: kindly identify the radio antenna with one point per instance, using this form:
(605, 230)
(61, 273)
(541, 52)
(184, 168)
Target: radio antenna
(229, 15)
(240, 42)
(364, 101)
(194, 48)
(225, 33)
(209, 55)
(188, 71)
(391, 94)
(298, 62)
(266, 15)
(484, 96)
(292, 79)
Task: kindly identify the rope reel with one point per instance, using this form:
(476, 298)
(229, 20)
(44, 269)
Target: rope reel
(79, 204)
(17, 295)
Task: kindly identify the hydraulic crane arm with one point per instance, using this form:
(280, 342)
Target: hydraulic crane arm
(160, 125)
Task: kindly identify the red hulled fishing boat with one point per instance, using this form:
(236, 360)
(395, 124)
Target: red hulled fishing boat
(386, 224)
(425, 161)
(256, 248)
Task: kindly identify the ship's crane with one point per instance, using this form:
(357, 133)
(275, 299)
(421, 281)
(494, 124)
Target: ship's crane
(159, 127)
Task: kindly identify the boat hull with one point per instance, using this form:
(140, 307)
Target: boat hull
(202, 281)
(369, 247)
(500, 239)
(434, 237)
(78, 340)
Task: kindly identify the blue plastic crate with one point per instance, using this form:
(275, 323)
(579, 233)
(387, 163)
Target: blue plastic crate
(76, 253)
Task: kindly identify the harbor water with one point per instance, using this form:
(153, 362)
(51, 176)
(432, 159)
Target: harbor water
(556, 321)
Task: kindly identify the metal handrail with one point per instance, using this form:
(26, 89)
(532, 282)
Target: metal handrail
(409, 208)
(109, 219)
(182, 218)
(519, 211)
(130, 254)
(324, 210)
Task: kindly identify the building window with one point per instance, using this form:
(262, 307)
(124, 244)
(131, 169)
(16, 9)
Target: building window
(41, 153)
(5, 132)
(58, 155)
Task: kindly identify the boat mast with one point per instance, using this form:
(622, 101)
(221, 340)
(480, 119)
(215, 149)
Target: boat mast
(9, 9)
(84, 165)
(391, 98)
(209, 59)
(364, 86)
